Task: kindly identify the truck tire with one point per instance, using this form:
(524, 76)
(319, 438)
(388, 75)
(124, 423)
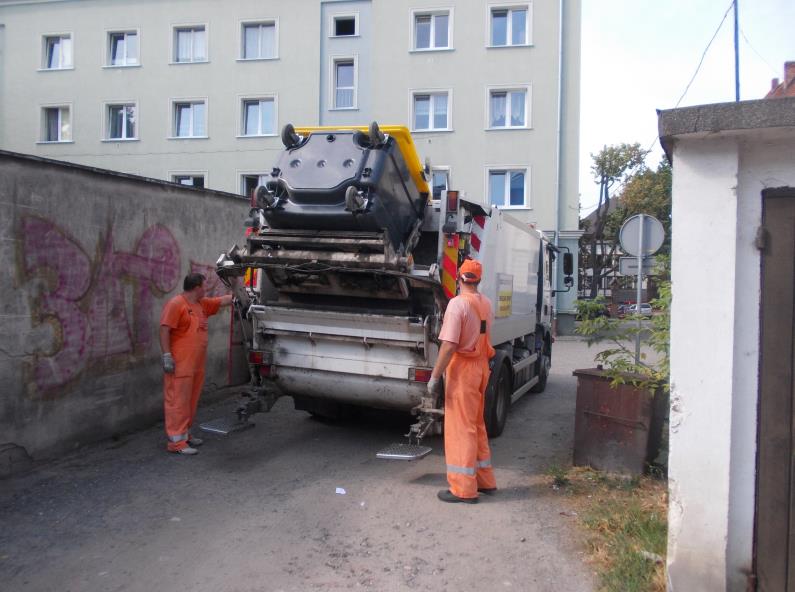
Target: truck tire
(498, 399)
(542, 370)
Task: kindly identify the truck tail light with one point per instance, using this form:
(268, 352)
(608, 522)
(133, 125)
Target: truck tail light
(420, 374)
(256, 357)
(265, 370)
(452, 202)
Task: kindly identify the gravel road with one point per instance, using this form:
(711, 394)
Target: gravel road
(259, 511)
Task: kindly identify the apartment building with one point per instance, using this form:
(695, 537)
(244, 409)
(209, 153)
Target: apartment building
(197, 91)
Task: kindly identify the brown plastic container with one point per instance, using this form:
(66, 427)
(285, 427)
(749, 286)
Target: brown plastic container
(616, 429)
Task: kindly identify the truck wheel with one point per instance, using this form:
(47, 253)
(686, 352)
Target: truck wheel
(542, 371)
(498, 399)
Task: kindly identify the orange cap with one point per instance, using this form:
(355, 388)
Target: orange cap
(470, 271)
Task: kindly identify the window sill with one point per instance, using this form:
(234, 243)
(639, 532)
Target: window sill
(514, 207)
(119, 140)
(247, 136)
(47, 142)
(508, 129)
(120, 66)
(343, 36)
(273, 59)
(343, 108)
(509, 46)
(443, 130)
(188, 138)
(55, 69)
(431, 49)
(173, 63)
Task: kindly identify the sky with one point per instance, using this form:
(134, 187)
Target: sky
(638, 56)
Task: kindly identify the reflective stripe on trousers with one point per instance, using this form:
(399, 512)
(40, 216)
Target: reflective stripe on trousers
(178, 438)
(482, 464)
(460, 470)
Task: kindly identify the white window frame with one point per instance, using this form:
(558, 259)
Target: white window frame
(192, 100)
(175, 46)
(509, 32)
(241, 179)
(43, 123)
(109, 47)
(180, 173)
(106, 120)
(435, 91)
(242, 100)
(332, 21)
(441, 168)
(528, 102)
(449, 11)
(44, 42)
(242, 33)
(509, 168)
(333, 61)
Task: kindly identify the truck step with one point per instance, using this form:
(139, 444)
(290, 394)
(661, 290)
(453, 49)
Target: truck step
(225, 425)
(401, 451)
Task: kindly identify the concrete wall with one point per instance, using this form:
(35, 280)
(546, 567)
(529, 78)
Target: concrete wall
(91, 257)
(717, 185)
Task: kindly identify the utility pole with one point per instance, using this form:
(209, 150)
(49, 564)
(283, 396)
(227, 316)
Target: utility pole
(736, 54)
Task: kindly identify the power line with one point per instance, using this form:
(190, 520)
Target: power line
(700, 62)
(703, 55)
(761, 57)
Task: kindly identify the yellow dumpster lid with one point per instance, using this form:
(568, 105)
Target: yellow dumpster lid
(402, 137)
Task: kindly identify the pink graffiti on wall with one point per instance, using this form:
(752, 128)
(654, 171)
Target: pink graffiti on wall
(87, 301)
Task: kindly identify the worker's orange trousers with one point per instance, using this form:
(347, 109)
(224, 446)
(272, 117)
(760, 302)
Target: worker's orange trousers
(181, 398)
(466, 445)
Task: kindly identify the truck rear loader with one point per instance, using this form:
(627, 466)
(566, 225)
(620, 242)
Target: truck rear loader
(347, 268)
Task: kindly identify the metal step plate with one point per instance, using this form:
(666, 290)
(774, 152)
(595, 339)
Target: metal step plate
(404, 452)
(225, 425)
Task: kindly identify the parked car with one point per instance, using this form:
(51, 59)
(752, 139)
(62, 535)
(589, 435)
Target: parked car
(645, 309)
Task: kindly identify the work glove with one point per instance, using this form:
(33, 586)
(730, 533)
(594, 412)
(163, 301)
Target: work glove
(168, 364)
(434, 386)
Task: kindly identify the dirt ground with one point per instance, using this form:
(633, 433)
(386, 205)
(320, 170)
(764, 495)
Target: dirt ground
(259, 511)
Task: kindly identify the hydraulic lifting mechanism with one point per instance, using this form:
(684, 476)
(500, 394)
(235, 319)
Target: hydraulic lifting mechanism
(347, 269)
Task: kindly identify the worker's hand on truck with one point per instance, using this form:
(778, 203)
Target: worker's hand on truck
(168, 363)
(434, 386)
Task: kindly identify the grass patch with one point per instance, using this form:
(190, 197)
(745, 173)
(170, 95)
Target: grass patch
(626, 522)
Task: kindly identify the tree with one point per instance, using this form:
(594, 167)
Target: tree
(611, 168)
(648, 192)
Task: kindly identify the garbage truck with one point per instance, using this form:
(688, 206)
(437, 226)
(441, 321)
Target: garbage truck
(348, 265)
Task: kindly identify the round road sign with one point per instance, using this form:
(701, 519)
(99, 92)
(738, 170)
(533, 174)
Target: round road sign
(653, 235)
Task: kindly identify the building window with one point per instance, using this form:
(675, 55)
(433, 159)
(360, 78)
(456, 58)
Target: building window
(431, 111)
(344, 84)
(250, 181)
(56, 124)
(122, 122)
(258, 117)
(190, 44)
(432, 30)
(57, 52)
(345, 25)
(510, 26)
(190, 119)
(508, 108)
(123, 48)
(440, 180)
(259, 41)
(189, 180)
(508, 188)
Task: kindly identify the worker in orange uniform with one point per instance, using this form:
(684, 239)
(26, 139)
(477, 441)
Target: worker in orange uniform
(463, 358)
(183, 339)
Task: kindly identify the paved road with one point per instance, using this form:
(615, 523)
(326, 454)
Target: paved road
(259, 512)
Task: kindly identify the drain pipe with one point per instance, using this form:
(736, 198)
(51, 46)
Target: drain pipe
(558, 133)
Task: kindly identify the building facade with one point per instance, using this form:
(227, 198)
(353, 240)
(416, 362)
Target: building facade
(196, 92)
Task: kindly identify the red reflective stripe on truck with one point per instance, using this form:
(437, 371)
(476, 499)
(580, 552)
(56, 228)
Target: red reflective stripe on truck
(475, 240)
(480, 221)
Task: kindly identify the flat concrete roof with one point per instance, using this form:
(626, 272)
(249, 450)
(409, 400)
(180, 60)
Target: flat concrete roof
(721, 117)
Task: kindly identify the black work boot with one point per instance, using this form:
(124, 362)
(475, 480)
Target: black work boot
(446, 496)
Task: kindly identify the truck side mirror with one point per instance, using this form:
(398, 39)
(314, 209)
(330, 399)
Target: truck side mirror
(568, 264)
